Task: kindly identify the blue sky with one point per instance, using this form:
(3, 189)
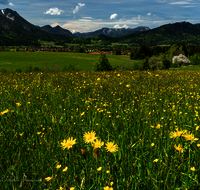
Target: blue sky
(87, 15)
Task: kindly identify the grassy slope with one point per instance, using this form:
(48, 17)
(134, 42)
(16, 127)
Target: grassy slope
(12, 60)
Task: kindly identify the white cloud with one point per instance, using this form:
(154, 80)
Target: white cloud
(181, 3)
(149, 14)
(54, 11)
(11, 4)
(113, 16)
(139, 17)
(118, 26)
(78, 7)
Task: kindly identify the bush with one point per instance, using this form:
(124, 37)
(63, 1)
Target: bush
(36, 69)
(176, 64)
(155, 63)
(17, 70)
(145, 65)
(195, 59)
(166, 62)
(102, 64)
(29, 69)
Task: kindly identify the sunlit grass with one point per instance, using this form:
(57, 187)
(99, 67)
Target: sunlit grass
(90, 130)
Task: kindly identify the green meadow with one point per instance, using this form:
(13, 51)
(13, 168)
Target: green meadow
(98, 130)
(49, 60)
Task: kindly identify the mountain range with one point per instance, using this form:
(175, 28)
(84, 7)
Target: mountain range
(15, 30)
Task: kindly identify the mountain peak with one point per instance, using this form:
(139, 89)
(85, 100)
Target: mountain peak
(8, 13)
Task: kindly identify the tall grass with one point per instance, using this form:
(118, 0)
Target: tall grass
(152, 117)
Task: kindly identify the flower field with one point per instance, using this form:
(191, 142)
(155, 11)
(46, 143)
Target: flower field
(104, 131)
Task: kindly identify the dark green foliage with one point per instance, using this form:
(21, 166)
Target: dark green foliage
(102, 64)
(36, 69)
(146, 64)
(141, 52)
(17, 70)
(166, 62)
(195, 59)
(29, 69)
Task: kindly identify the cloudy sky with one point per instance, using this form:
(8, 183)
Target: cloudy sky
(90, 15)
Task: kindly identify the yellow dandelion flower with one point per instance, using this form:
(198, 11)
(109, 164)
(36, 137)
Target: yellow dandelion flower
(156, 160)
(99, 169)
(48, 178)
(65, 169)
(58, 166)
(107, 171)
(3, 112)
(111, 147)
(198, 145)
(68, 143)
(128, 85)
(21, 134)
(193, 169)
(18, 104)
(89, 137)
(152, 144)
(179, 148)
(61, 188)
(72, 188)
(176, 134)
(189, 137)
(111, 183)
(106, 188)
(97, 144)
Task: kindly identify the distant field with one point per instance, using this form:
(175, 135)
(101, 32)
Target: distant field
(12, 60)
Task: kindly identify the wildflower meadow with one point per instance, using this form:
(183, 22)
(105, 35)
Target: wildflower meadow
(100, 130)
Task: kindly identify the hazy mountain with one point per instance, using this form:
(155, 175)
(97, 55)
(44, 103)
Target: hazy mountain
(113, 32)
(15, 30)
(57, 30)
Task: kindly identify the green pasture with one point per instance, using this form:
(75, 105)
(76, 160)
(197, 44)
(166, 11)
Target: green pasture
(150, 119)
(22, 60)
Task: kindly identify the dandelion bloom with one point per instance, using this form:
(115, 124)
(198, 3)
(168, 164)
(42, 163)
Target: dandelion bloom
(65, 169)
(97, 144)
(99, 169)
(89, 137)
(176, 134)
(156, 160)
(68, 143)
(107, 188)
(192, 168)
(58, 166)
(48, 178)
(189, 137)
(152, 144)
(3, 112)
(111, 147)
(179, 148)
